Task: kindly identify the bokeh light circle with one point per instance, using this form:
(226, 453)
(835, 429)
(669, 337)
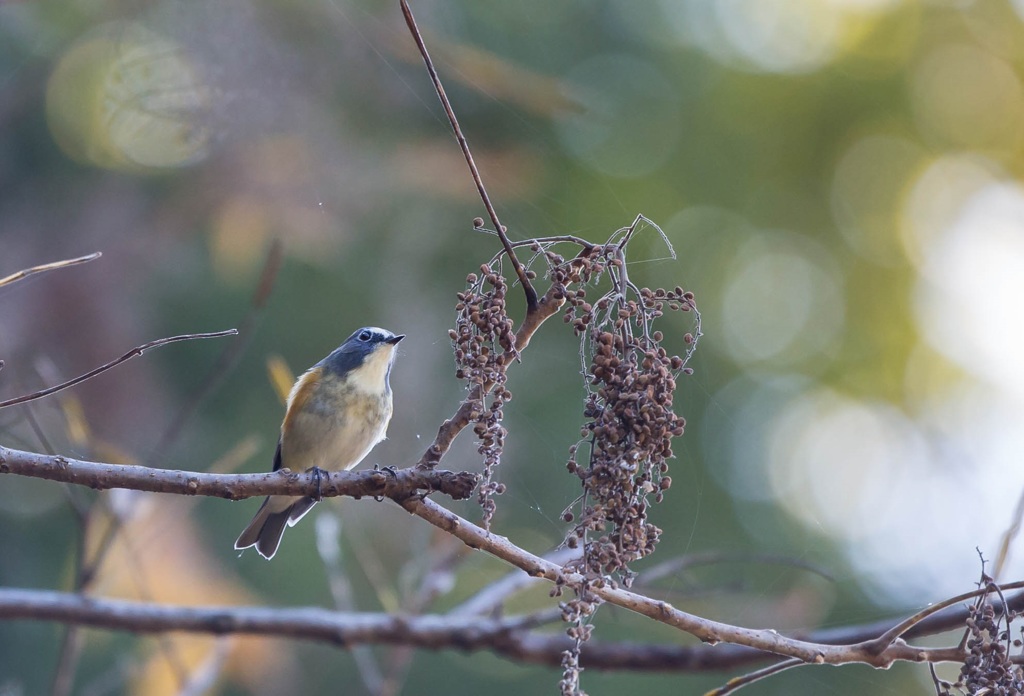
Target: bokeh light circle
(783, 300)
(125, 97)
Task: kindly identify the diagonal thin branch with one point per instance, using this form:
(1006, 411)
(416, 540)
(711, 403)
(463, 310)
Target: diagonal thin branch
(134, 352)
(1004, 546)
(531, 292)
(43, 268)
(674, 566)
(872, 651)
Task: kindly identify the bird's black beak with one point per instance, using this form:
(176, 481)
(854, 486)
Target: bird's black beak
(395, 339)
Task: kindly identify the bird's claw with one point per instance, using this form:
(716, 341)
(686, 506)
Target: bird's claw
(318, 476)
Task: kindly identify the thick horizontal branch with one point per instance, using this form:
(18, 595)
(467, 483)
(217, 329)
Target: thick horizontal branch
(509, 637)
(397, 485)
(309, 623)
(878, 646)
(506, 637)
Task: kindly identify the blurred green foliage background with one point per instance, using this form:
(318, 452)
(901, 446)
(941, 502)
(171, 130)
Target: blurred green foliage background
(840, 180)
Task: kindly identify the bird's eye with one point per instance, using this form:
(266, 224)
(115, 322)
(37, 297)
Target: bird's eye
(365, 336)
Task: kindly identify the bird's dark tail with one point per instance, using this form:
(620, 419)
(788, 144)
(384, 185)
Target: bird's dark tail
(267, 527)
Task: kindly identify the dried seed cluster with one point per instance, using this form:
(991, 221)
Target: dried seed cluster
(576, 613)
(988, 668)
(569, 684)
(482, 338)
(631, 380)
(630, 426)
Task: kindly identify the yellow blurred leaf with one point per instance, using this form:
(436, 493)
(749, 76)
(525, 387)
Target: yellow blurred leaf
(281, 377)
(74, 418)
(230, 461)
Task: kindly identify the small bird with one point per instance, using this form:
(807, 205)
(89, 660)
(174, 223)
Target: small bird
(337, 412)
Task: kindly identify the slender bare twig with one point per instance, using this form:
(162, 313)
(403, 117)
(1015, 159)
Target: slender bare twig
(367, 558)
(435, 581)
(85, 572)
(229, 357)
(628, 232)
(555, 239)
(134, 352)
(328, 546)
(139, 575)
(1008, 537)
(492, 596)
(100, 475)
(936, 682)
(737, 683)
(528, 289)
(44, 441)
(676, 565)
(204, 677)
(67, 661)
(25, 273)
(122, 670)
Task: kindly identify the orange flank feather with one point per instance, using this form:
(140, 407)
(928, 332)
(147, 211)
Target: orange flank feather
(300, 395)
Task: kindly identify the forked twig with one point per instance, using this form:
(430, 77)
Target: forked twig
(531, 292)
(134, 352)
(889, 637)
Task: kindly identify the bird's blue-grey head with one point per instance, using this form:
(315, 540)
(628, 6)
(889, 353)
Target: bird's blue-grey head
(365, 358)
